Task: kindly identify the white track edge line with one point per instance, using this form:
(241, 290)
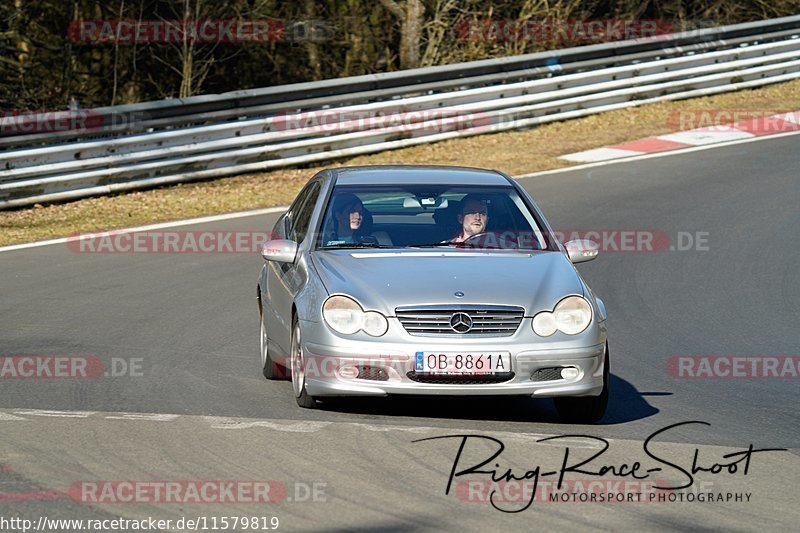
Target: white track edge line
(265, 211)
(151, 227)
(656, 154)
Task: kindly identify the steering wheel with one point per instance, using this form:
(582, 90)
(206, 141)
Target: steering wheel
(472, 240)
(366, 239)
(499, 240)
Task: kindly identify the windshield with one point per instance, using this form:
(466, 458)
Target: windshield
(423, 216)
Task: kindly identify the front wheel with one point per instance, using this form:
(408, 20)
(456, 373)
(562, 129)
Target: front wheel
(585, 409)
(298, 364)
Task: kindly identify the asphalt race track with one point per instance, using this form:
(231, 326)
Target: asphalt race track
(197, 408)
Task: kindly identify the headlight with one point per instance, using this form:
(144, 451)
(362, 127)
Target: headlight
(343, 314)
(375, 324)
(572, 315)
(346, 316)
(544, 324)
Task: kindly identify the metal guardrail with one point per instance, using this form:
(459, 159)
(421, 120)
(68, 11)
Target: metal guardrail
(278, 126)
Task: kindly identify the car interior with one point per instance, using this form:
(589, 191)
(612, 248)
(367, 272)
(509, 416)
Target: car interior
(405, 221)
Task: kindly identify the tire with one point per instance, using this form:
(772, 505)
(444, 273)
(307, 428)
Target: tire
(270, 368)
(298, 364)
(585, 409)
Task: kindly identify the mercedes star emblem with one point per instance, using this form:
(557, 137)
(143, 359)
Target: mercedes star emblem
(461, 322)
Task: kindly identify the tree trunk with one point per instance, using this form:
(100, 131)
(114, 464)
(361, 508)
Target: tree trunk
(312, 50)
(410, 20)
(187, 54)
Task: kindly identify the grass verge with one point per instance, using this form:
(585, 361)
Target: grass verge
(515, 152)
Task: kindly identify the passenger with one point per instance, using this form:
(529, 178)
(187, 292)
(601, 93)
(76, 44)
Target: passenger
(346, 224)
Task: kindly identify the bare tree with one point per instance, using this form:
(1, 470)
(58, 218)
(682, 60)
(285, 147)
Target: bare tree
(311, 46)
(195, 59)
(438, 30)
(411, 21)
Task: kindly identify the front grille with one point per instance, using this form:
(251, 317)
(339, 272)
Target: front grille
(454, 379)
(487, 320)
(547, 374)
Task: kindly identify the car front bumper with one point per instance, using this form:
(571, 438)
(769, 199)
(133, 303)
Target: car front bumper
(330, 368)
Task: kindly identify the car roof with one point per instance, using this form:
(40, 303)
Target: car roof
(417, 175)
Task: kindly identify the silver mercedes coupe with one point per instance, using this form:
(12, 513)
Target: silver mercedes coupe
(429, 280)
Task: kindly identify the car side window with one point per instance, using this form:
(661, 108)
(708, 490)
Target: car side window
(279, 229)
(300, 217)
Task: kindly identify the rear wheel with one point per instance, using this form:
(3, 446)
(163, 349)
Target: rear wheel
(298, 364)
(269, 368)
(585, 409)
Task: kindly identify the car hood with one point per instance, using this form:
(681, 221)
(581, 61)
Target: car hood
(383, 280)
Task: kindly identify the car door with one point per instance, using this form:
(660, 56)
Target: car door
(284, 280)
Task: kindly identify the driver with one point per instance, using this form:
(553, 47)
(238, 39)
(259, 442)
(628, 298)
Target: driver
(473, 217)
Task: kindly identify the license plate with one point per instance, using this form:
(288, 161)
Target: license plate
(462, 362)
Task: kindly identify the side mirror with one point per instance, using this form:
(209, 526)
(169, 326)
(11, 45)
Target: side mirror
(279, 250)
(582, 250)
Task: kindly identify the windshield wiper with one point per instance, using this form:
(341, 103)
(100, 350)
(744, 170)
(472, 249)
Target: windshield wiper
(432, 244)
(341, 245)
